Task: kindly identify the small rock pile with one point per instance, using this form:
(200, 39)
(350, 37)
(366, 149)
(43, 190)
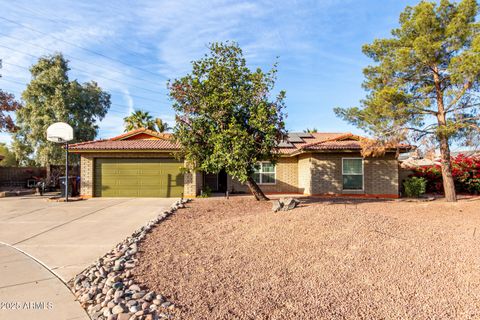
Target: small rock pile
(106, 288)
(285, 204)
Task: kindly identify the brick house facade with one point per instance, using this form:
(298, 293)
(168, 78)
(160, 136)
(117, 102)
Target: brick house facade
(310, 164)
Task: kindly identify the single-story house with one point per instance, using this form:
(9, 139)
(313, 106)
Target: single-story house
(141, 163)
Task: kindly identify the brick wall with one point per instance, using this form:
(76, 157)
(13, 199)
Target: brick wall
(86, 176)
(286, 173)
(319, 173)
(326, 173)
(380, 174)
(193, 184)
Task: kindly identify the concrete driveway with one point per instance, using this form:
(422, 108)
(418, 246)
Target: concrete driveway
(44, 244)
(67, 237)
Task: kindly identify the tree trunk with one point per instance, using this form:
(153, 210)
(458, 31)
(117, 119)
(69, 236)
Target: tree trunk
(256, 191)
(448, 184)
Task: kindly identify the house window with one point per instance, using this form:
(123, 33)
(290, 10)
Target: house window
(352, 171)
(264, 173)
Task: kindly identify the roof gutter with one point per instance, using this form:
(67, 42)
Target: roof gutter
(123, 150)
(302, 151)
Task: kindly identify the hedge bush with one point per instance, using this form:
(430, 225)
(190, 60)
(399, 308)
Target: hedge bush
(415, 187)
(465, 172)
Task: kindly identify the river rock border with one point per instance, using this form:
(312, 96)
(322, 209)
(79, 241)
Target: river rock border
(106, 289)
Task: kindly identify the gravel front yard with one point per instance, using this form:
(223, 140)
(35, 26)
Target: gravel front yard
(227, 259)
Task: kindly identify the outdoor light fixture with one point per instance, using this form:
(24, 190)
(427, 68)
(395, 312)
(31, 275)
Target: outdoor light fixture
(61, 132)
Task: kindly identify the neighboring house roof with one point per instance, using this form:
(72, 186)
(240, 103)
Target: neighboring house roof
(415, 162)
(295, 142)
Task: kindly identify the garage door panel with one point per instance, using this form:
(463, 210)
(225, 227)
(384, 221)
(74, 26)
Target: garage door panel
(138, 178)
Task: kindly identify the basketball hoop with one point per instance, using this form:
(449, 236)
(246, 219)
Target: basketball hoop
(61, 132)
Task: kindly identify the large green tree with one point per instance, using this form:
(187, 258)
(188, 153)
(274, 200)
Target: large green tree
(9, 157)
(425, 80)
(51, 97)
(225, 115)
(8, 104)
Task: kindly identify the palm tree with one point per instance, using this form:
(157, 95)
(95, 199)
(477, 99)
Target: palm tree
(313, 130)
(139, 119)
(161, 126)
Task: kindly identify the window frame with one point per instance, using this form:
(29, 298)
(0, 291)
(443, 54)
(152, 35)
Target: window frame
(354, 174)
(261, 172)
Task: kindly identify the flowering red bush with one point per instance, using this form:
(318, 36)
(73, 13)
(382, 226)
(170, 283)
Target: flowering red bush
(465, 171)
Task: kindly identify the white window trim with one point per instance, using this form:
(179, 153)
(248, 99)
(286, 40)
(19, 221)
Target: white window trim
(355, 174)
(274, 174)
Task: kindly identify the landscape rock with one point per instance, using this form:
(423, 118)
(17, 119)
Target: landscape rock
(290, 204)
(285, 204)
(276, 205)
(118, 309)
(133, 309)
(134, 287)
(123, 316)
(105, 289)
(118, 294)
(149, 296)
(118, 285)
(132, 303)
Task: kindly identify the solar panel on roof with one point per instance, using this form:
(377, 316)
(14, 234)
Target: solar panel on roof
(305, 135)
(285, 144)
(293, 137)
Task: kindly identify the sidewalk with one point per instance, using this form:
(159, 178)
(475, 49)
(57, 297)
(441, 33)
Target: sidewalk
(30, 291)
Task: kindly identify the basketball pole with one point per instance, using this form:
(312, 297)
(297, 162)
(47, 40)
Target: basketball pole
(66, 172)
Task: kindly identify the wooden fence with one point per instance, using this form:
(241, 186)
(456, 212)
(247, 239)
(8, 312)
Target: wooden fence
(18, 177)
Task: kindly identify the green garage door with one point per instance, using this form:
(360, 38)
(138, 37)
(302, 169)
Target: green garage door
(138, 178)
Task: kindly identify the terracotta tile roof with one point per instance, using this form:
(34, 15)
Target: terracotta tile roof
(160, 144)
(335, 145)
(347, 141)
(141, 130)
(341, 141)
(161, 141)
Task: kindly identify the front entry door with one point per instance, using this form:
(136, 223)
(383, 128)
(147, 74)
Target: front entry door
(216, 182)
(222, 181)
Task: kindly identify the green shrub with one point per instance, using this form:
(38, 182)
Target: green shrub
(415, 186)
(206, 192)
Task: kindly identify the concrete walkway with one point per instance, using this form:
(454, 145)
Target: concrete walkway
(66, 238)
(28, 290)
